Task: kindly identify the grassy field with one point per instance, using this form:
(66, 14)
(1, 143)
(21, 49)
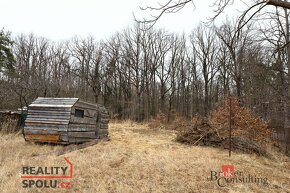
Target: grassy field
(139, 159)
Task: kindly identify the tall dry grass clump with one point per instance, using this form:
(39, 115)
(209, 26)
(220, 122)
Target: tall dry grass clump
(9, 126)
(249, 133)
(174, 122)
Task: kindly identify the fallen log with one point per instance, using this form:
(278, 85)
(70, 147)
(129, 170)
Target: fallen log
(73, 147)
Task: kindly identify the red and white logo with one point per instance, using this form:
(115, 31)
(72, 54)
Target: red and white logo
(228, 171)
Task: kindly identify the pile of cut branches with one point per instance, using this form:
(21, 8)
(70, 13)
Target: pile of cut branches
(203, 134)
(249, 134)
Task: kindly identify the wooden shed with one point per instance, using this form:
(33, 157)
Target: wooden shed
(65, 121)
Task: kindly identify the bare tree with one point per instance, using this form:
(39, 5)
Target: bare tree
(236, 46)
(204, 43)
(170, 6)
(87, 59)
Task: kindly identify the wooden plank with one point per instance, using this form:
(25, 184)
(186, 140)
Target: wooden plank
(47, 141)
(104, 121)
(83, 105)
(87, 112)
(50, 116)
(45, 112)
(45, 122)
(84, 129)
(84, 120)
(103, 132)
(82, 125)
(48, 121)
(101, 108)
(51, 142)
(40, 124)
(74, 147)
(53, 102)
(39, 98)
(50, 107)
(60, 109)
(56, 98)
(90, 117)
(44, 138)
(43, 132)
(105, 116)
(48, 127)
(105, 125)
(64, 137)
(80, 146)
(104, 136)
(104, 128)
(103, 112)
(82, 134)
(47, 118)
(79, 140)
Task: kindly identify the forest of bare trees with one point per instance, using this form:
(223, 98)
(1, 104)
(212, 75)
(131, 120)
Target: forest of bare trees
(139, 73)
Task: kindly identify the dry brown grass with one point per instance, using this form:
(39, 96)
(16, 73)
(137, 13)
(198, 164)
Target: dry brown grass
(139, 159)
(9, 126)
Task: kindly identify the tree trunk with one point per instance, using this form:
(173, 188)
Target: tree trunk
(286, 124)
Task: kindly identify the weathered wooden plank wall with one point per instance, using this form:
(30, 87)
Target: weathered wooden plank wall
(82, 129)
(47, 120)
(55, 120)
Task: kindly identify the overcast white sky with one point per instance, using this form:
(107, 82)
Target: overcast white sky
(63, 19)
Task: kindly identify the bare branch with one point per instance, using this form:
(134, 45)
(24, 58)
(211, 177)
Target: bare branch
(169, 7)
(174, 6)
(279, 3)
(221, 5)
(242, 17)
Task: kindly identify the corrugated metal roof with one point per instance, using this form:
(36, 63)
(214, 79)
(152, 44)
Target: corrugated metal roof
(54, 102)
